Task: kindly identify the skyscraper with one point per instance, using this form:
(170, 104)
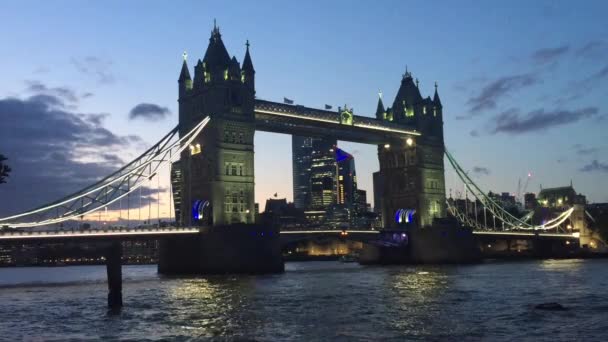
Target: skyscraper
(322, 174)
(304, 151)
(347, 178)
(301, 149)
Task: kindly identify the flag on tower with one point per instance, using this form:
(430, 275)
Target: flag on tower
(327, 106)
(287, 101)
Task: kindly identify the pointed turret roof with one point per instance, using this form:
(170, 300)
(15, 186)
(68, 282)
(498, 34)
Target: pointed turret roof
(408, 91)
(235, 68)
(380, 107)
(247, 64)
(436, 99)
(185, 73)
(216, 55)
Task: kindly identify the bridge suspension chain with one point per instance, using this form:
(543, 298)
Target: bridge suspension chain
(510, 222)
(111, 188)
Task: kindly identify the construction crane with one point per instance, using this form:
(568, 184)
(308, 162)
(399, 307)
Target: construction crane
(522, 191)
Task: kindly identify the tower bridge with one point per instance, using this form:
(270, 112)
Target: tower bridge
(212, 151)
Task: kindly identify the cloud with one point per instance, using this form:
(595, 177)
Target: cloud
(53, 151)
(596, 49)
(492, 92)
(481, 171)
(149, 111)
(582, 150)
(474, 133)
(61, 93)
(511, 122)
(548, 55)
(595, 166)
(96, 67)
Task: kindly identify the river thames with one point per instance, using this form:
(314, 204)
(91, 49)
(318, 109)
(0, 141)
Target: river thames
(313, 301)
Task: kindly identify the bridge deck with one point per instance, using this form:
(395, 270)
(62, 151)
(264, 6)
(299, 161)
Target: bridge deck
(155, 233)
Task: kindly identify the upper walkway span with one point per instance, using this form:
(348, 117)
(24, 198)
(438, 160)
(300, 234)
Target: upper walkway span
(306, 121)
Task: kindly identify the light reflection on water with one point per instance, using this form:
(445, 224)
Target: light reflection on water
(313, 301)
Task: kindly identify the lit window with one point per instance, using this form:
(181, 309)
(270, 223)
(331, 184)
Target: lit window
(243, 76)
(434, 111)
(226, 74)
(423, 109)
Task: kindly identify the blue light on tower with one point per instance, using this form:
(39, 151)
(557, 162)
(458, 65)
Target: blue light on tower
(404, 216)
(198, 209)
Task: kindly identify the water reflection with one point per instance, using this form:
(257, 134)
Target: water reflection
(321, 301)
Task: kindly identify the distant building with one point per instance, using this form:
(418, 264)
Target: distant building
(361, 205)
(564, 196)
(530, 201)
(347, 178)
(279, 211)
(301, 151)
(176, 186)
(322, 175)
(378, 192)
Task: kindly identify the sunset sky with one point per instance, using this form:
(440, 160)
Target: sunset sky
(86, 86)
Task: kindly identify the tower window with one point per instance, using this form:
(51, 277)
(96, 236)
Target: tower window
(226, 74)
(423, 109)
(434, 111)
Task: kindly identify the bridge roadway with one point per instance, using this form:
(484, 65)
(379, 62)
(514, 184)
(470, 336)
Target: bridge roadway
(300, 120)
(157, 233)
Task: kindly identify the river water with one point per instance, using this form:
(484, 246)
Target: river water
(313, 301)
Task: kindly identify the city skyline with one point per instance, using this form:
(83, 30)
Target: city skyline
(533, 115)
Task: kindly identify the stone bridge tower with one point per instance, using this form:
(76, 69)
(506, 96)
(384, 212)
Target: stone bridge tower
(412, 169)
(217, 170)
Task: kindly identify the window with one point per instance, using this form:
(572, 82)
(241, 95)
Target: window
(233, 169)
(434, 111)
(241, 139)
(227, 169)
(240, 169)
(423, 109)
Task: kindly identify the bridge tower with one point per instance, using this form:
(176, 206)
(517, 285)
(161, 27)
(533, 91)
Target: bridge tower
(217, 185)
(412, 169)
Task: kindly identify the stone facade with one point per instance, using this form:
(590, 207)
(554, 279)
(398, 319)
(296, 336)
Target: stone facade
(218, 169)
(412, 168)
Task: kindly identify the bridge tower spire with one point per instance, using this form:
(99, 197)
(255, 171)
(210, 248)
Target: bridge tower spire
(248, 72)
(380, 108)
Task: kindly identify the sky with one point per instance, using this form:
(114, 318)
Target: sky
(86, 86)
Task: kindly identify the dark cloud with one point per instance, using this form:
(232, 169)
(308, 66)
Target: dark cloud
(96, 67)
(596, 49)
(595, 166)
(582, 150)
(481, 171)
(599, 75)
(63, 93)
(492, 92)
(149, 111)
(549, 55)
(54, 151)
(512, 122)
